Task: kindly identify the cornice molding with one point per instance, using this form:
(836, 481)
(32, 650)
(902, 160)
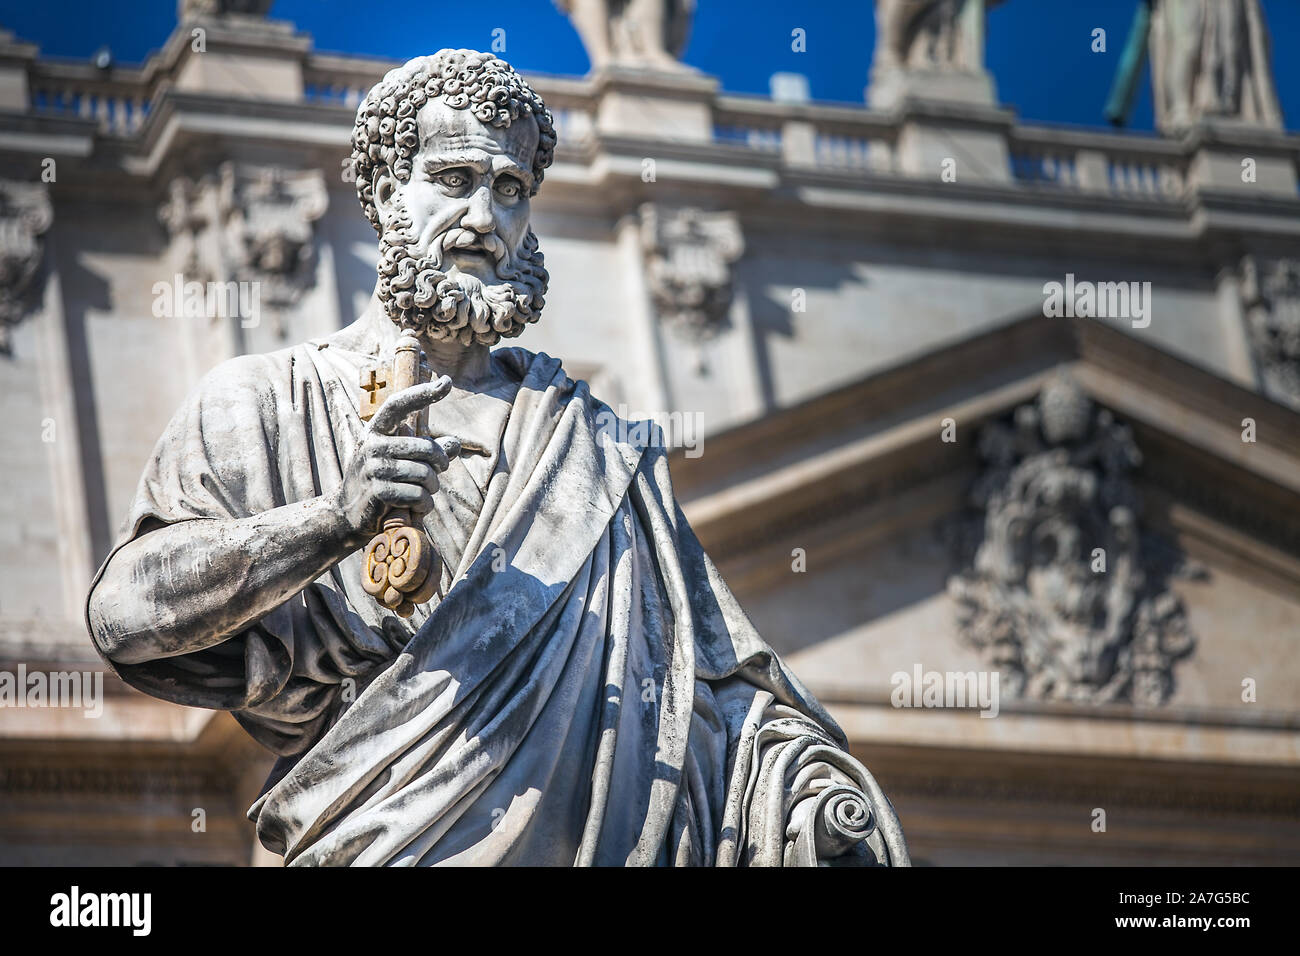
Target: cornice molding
(991, 789)
(760, 185)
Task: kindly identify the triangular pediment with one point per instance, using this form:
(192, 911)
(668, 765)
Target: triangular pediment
(864, 544)
(870, 457)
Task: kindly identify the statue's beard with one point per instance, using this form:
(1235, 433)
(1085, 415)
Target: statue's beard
(417, 294)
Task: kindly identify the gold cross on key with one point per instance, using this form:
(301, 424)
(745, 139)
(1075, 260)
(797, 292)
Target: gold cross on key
(376, 385)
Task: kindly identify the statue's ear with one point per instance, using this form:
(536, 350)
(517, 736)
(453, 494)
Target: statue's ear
(384, 189)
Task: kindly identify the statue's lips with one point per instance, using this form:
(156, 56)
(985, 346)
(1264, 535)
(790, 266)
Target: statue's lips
(473, 251)
(468, 245)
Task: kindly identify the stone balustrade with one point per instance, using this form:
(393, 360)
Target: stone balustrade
(118, 100)
(833, 138)
(1129, 165)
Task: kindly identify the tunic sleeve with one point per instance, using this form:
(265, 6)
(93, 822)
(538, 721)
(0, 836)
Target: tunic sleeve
(231, 452)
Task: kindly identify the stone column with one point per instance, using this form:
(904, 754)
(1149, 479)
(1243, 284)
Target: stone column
(67, 466)
(650, 387)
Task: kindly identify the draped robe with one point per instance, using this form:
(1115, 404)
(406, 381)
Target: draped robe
(585, 691)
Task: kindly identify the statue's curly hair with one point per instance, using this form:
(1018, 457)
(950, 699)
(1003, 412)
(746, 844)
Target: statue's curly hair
(386, 136)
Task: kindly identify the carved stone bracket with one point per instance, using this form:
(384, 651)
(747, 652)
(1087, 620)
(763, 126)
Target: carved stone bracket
(689, 255)
(268, 216)
(183, 217)
(1062, 595)
(1270, 293)
(25, 216)
(248, 224)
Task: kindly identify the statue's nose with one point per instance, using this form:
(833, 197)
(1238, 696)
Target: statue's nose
(479, 214)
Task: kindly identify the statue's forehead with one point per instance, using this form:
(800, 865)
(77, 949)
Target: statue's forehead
(444, 130)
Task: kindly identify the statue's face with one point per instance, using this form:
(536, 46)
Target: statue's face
(468, 177)
(457, 258)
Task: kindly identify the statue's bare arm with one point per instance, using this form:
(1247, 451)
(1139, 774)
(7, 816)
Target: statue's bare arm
(190, 585)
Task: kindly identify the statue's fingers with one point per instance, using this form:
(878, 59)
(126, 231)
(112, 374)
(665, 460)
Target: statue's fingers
(450, 445)
(397, 406)
(408, 472)
(437, 456)
(400, 494)
(406, 446)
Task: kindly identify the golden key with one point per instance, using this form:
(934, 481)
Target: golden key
(400, 569)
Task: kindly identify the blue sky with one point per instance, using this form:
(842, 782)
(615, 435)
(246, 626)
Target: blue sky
(1039, 50)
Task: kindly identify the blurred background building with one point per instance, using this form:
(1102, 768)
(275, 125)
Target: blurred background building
(915, 455)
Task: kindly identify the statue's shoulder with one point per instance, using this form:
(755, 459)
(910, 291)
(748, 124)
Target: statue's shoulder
(260, 368)
(532, 368)
(249, 379)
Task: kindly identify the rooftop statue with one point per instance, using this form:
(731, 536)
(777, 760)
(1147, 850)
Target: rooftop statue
(639, 33)
(468, 615)
(1209, 58)
(931, 34)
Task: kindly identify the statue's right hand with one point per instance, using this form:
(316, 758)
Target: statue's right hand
(394, 471)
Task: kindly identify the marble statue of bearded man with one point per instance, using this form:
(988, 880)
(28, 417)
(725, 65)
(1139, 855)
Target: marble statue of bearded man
(582, 688)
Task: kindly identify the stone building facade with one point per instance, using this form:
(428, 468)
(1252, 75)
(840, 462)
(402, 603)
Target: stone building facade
(915, 460)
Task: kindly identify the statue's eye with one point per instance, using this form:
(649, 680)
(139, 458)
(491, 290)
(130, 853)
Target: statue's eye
(509, 186)
(453, 179)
